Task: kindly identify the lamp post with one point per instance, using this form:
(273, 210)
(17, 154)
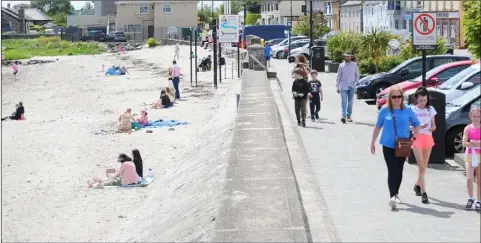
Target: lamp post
(311, 42)
(289, 40)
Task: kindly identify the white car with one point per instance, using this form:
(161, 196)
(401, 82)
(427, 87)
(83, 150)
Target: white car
(277, 51)
(304, 50)
(457, 85)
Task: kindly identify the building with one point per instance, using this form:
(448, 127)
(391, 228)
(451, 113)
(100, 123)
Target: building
(352, 17)
(279, 12)
(105, 8)
(462, 38)
(375, 16)
(329, 13)
(20, 20)
(159, 19)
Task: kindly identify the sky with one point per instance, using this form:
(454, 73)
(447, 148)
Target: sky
(79, 4)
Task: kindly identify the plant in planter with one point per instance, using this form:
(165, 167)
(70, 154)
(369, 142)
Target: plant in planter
(375, 44)
(341, 43)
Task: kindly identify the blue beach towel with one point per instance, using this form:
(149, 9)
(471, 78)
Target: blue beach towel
(164, 123)
(144, 182)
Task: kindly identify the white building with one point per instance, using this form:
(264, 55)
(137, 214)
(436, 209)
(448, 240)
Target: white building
(352, 17)
(281, 11)
(328, 13)
(375, 16)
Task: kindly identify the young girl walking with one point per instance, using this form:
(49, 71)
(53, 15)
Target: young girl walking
(424, 141)
(471, 140)
(300, 89)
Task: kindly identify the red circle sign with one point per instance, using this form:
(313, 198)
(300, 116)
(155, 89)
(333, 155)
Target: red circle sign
(420, 20)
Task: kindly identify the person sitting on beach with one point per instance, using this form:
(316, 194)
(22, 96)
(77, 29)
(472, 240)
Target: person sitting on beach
(144, 119)
(125, 121)
(127, 173)
(18, 114)
(171, 94)
(139, 167)
(163, 102)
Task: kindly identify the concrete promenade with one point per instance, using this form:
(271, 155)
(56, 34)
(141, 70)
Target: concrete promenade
(353, 182)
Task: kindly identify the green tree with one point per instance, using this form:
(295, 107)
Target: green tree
(53, 7)
(60, 19)
(472, 26)
(253, 6)
(375, 44)
(343, 42)
(251, 18)
(87, 6)
(205, 14)
(319, 25)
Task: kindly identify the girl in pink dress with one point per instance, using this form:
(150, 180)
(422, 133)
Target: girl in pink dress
(471, 141)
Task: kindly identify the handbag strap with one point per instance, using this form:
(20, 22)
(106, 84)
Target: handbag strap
(394, 123)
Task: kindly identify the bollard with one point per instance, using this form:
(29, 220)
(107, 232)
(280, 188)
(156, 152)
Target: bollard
(237, 99)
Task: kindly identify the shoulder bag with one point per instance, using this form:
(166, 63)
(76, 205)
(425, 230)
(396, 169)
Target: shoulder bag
(403, 145)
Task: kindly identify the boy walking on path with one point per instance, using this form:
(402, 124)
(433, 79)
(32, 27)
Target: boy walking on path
(315, 95)
(267, 54)
(300, 89)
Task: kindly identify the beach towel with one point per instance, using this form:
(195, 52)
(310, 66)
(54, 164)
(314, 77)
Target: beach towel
(164, 123)
(144, 182)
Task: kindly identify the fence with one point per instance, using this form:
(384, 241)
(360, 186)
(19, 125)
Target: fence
(26, 36)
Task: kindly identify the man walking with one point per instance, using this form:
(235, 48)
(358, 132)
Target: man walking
(347, 77)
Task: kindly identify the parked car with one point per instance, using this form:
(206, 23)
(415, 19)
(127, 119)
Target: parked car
(457, 117)
(459, 84)
(274, 42)
(435, 77)
(371, 85)
(94, 35)
(296, 49)
(277, 51)
(303, 50)
(117, 37)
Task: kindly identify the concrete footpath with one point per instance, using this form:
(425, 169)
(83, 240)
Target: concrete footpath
(261, 202)
(353, 182)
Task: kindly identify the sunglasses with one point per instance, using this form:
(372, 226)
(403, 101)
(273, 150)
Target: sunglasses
(396, 97)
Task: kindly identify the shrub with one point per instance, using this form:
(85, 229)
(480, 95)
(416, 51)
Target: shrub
(367, 66)
(151, 42)
(44, 40)
(376, 43)
(389, 62)
(342, 42)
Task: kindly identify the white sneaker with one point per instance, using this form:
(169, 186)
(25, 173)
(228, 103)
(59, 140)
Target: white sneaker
(398, 199)
(392, 202)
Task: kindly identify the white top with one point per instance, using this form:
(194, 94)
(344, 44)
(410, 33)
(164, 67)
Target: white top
(424, 116)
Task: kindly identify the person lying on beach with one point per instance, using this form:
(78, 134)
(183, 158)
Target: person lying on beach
(18, 114)
(125, 121)
(144, 119)
(127, 173)
(139, 167)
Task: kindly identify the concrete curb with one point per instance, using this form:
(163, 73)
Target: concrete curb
(319, 222)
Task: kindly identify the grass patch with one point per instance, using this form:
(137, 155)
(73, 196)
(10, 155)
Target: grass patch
(15, 49)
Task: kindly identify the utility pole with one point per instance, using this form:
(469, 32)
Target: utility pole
(311, 42)
(289, 40)
(305, 7)
(245, 13)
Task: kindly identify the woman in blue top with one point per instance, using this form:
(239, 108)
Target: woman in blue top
(405, 118)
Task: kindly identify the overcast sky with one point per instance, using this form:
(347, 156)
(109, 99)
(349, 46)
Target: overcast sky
(79, 4)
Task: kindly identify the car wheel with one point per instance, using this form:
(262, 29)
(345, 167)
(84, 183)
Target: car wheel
(378, 90)
(454, 141)
(279, 55)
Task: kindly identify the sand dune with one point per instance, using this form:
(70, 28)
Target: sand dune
(68, 137)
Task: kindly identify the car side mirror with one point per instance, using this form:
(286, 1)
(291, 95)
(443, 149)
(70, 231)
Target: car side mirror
(466, 85)
(404, 72)
(433, 80)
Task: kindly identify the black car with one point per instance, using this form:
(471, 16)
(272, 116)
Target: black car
(368, 87)
(94, 35)
(116, 37)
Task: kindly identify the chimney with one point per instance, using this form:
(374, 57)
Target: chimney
(21, 16)
(8, 5)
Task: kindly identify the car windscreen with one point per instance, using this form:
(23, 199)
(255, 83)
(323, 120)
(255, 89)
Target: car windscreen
(428, 74)
(398, 67)
(450, 83)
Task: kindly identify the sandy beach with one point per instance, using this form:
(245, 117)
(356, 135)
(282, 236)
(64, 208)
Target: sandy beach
(71, 111)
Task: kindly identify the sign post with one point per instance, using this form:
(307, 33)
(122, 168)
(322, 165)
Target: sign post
(229, 33)
(424, 36)
(289, 26)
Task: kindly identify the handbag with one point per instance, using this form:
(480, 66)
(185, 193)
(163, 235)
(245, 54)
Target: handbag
(403, 145)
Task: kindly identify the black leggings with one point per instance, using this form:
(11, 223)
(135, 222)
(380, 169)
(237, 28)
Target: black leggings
(395, 166)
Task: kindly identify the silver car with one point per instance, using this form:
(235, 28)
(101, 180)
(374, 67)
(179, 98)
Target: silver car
(277, 51)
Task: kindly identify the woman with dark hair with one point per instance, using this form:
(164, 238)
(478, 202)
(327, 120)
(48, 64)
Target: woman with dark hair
(18, 114)
(127, 174)
(139, 167)
(424, 141)
(395, 119)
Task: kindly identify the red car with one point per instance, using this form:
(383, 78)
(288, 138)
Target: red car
(434, 77)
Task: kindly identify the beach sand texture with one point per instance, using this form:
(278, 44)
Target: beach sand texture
(68, 136)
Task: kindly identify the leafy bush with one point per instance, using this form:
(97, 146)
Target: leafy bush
(342, 42)
(408, 52)
(151, 42)
(389, 62)
(471, 25)
(319, 26)
(251, 18)
(376, 43)
(367, 66)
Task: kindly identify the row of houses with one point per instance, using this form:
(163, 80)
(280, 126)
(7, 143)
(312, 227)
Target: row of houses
(362, 16)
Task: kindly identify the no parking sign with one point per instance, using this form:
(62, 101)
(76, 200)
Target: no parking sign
(424, 31)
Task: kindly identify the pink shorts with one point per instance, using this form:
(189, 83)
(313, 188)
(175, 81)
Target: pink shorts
(423, 141)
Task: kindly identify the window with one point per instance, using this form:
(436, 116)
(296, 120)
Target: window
(457, 78)
(475, 79)
(143, 9)
(415, 66)
(277, 6)
(268, 7)
(167, 8)
(133, 28)
(450, 72)
(440, 61)
(396, 24)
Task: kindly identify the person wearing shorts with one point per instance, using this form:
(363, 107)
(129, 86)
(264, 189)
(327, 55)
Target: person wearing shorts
(424, 142)
(267, 54)
(472, 140)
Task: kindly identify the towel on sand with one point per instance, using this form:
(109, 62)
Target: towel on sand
(164, 123)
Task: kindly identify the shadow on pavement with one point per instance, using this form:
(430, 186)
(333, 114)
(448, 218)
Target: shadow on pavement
(445, 204)
(325, 121)
(365, 124)
(425, 211)
(311, 127)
